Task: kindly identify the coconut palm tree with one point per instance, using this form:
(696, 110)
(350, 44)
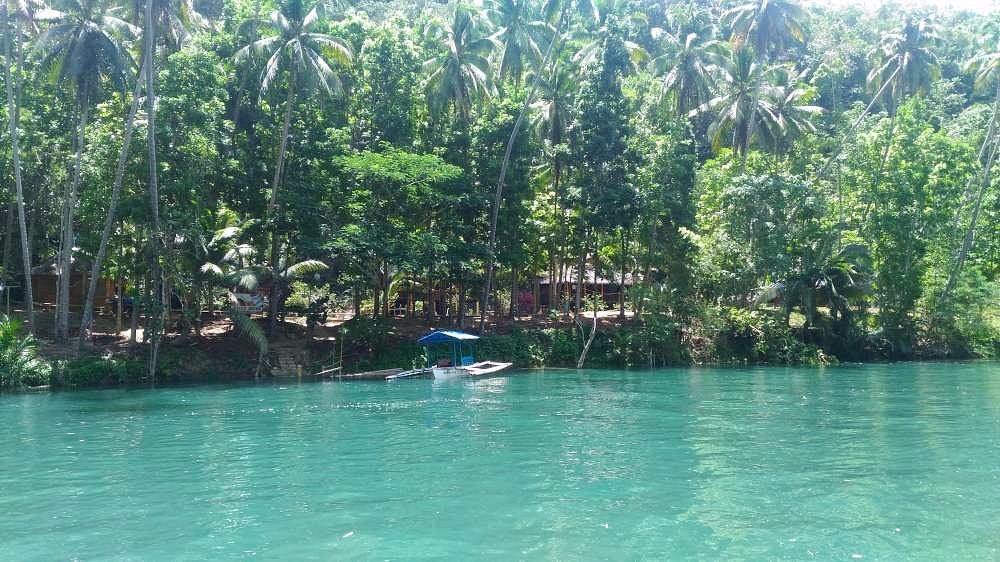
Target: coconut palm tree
(174, 19)
(234, 272)
(553, 9)
(905, 64)
(685, 65)
(768, 27)
(458, 76)
(591, 50)
(304, 56)
(785, 110)
(835, 279)
(87, 318)
(12, 45)
(460, 73)
(737, 102)
(552, 116)
(83, 47)
(519, 35)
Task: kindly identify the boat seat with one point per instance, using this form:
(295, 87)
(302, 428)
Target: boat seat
(468, 360)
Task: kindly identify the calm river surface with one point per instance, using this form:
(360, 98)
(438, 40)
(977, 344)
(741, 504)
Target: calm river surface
(885, 462)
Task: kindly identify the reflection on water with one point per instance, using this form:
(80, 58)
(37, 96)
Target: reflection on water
(879, 462)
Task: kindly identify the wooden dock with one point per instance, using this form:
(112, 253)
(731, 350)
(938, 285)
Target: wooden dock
(410, 374)
(368, 375)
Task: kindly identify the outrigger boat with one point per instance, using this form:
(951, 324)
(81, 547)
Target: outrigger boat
(461, 363)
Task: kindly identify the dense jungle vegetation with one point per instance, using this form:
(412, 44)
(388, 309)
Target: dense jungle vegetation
(814, 181)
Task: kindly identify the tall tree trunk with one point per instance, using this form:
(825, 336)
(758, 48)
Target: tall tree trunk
(498, 197)
(970, 231)
(969, 193)
(461, 304)
(552, 289)
(67, 240)
(514, 293)
(428, 298)
(13, 114)
(243, 81)
(755, 101)
(109, 220)
(854, 126)
(272, 205)
(8, 236)
(147, 300)
(559, 245)
(621, 281)
(581, 277)
(536, 296)
(593, 330)
(156, 236)
(120, 294)
(133, 322)
(387, 288)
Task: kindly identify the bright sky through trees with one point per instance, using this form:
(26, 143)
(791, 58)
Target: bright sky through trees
(981, 6)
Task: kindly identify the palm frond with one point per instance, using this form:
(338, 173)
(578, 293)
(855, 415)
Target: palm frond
(304, 267)
(250, 330)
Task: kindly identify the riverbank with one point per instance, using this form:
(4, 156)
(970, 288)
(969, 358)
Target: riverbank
(721, 337)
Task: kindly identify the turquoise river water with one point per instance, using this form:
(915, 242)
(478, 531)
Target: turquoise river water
(886, 462)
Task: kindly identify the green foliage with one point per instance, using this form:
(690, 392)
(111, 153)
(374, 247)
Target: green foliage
(174, 366)
(386, 100)
(366, 335)
(756, 336)
(100, 371)
(250, 330)
(775, 179)
(20, 364)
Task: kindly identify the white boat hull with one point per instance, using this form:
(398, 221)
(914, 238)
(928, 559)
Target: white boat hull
(474, 370)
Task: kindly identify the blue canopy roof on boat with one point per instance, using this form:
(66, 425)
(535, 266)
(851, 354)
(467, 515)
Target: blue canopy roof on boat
(446, 336)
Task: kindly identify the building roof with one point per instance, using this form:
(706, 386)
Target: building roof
(589, 278)
(446, 336)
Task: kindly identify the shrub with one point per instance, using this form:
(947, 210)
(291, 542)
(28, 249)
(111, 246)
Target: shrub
(19, 360)
(103, 371)
(758, 336)
(366, 334)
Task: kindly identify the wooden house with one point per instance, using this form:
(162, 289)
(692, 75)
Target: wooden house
(45, 283)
